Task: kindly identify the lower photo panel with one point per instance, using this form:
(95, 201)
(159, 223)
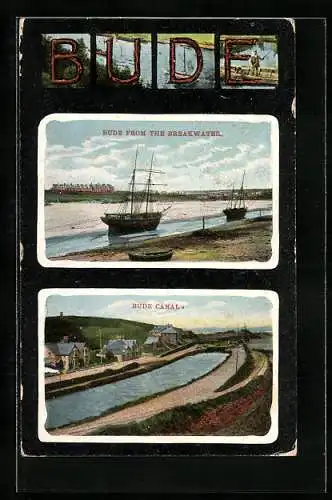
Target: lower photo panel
(158, 366)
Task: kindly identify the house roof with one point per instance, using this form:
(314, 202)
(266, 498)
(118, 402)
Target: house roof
(61, 348)
(165, 329)
(169, 329)
(159, 328)
(130, 342)
(64, 348)
(80, 345)
(120, 346)
(151, 340)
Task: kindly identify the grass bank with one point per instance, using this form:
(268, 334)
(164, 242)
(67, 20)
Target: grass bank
(206, 417)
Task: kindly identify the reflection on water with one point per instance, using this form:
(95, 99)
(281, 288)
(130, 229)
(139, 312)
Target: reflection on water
(93, 402)
(185, 63)
(123, 57)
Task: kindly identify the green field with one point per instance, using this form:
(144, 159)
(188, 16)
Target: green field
(92, 329)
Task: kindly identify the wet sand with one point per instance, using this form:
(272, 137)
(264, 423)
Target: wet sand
(245, 240)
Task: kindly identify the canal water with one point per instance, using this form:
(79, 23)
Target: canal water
(98, 238)
(93, 402)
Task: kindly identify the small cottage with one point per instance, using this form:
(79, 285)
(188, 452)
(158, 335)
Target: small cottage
(167, 333)
(66, 355)
(152, 344)
(123, 349)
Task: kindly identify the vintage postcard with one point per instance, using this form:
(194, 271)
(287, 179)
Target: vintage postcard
(146, 365)
(193, 191)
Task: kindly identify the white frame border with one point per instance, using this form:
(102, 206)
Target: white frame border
(68, 263)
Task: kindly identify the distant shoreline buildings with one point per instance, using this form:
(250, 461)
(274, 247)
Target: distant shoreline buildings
(102, 189)
(81, 188)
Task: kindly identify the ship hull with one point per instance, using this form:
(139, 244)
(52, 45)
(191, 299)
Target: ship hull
(235, 213)
(131, 223)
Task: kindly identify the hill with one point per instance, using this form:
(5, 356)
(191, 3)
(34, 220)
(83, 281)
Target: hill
(91, 329)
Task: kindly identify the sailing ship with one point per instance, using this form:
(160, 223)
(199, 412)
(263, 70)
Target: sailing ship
(236, 208)
(136, 214)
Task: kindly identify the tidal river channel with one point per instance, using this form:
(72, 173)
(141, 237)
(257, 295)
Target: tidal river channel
(76, 227)
(94, 402)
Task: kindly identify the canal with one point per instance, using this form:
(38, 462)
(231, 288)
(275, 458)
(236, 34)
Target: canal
(95, 401)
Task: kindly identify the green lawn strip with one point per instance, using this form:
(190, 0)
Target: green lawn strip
(144, 398)
(177, 418)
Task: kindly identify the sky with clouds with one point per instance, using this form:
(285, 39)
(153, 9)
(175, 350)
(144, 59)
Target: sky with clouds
(78, 152)
(193, 311)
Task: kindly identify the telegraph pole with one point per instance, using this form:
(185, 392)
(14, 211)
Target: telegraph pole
(100, 346)
(236, 359)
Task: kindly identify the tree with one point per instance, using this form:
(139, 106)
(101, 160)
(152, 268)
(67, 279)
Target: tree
(65, 68)
(58, 327)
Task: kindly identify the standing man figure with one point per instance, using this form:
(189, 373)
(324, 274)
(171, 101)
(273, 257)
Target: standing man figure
(255, 64)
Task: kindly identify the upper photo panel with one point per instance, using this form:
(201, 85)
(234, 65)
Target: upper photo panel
(170, 191)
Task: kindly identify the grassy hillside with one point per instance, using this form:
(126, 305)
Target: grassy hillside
(90, 329)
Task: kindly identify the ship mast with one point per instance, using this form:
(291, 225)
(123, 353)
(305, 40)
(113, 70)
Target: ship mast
(132, 183)
(148, 186)
(232, 198)
(242, 191)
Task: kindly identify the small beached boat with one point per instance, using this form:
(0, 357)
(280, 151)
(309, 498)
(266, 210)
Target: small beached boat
(150, 255)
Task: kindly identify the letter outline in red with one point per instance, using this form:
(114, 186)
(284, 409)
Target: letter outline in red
(55, 56)
(173, 77)
(241, 57)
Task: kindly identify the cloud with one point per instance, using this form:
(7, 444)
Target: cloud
(203, 163)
